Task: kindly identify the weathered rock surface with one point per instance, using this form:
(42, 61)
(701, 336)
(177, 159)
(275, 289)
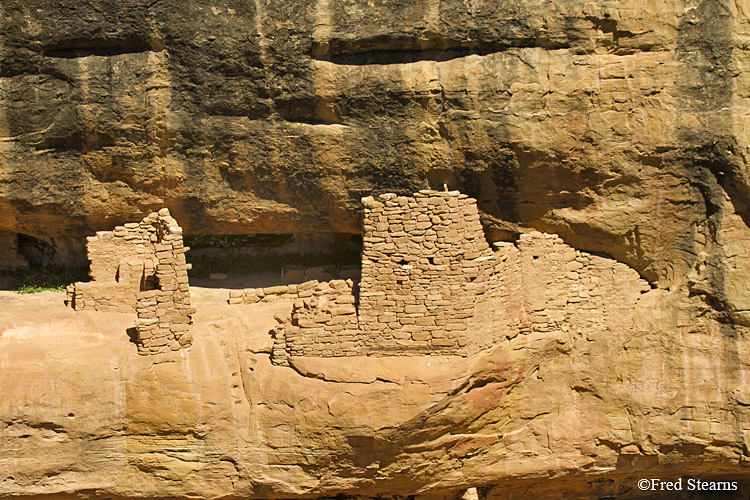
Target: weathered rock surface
(622, 126)
(582, 412)
(618, 125)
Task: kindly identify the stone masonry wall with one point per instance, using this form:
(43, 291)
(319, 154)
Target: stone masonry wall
(323, 323)
(500, 308)
(141, 267)
(272, 293)
(424, 259)
(431, 285)
(420, 255)
(299, 280)
(543, 286)
(572, 289)
(122, 264)
(164, 314)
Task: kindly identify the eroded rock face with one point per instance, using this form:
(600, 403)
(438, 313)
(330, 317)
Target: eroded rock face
(621, 126)
(639, 388)
(618, 126)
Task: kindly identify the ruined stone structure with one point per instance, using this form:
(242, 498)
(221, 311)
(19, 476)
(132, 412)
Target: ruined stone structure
(323, 323)
(429, 278)
(164, 313)
(540, 285)
(420, 259)
(424, 258)
(140, 267)
(272, 293)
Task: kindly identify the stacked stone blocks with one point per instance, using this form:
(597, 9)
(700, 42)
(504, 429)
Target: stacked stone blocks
(420, 258)
(120, 259)
(323, 323)
(565, 286)
(141, 267)
(430, 280)
(165, 313)
(424, 259)
(272, 293)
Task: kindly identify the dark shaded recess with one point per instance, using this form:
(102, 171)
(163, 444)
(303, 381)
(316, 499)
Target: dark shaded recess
(271, 242)
(309, 110)
(715, 166)
(148, 282)
(491, 176)
(607, 25)
(71, 49)
(243, 255)
(384, 57)
(388, 50)
(266, 241)
(38, 252)
(705, 50)
(439, 178)
(132, 335)
(43, 270)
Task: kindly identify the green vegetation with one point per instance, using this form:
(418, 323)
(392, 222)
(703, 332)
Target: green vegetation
(40, 279)
(243, 264)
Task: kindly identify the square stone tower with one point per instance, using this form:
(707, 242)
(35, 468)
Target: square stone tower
(420, 256)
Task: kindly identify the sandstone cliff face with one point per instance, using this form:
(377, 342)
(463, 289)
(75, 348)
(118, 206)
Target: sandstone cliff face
(622, 126)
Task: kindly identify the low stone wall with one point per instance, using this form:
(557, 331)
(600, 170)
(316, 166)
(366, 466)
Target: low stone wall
(117, 295)
(298, 274)
(292, 290)
(323, 322)
(272, 293)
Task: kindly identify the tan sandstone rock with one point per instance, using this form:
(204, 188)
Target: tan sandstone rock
(619, 350)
